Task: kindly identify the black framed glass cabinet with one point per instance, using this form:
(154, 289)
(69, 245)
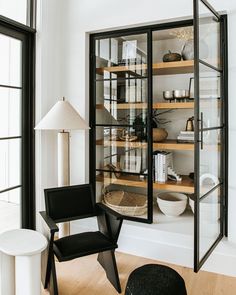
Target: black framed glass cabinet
(158, 118)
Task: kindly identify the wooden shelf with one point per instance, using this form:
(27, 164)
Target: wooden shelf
(163, 68)
(185, 186)
(174, 105)
(172, 68)
(169, 144)
(143, 105)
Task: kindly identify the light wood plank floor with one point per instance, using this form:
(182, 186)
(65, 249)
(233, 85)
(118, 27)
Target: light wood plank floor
(84, 276)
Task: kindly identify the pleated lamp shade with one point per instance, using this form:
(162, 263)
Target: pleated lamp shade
(62, 116)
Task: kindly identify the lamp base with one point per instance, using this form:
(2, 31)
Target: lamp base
(63, 172)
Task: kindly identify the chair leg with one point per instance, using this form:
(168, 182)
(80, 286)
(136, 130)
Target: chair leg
(108, 262)
(54, 276)
(48, 272)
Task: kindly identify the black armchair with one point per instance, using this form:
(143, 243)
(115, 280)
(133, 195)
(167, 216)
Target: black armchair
(76, 202)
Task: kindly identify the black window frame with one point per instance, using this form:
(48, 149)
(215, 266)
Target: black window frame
(26, 34)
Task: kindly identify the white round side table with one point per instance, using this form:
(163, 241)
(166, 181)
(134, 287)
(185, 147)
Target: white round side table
(20, 262)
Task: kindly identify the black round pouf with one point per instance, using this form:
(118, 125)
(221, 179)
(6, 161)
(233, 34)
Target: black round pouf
(155, 279)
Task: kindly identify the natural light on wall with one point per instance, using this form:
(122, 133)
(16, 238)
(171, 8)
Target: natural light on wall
(14, 9)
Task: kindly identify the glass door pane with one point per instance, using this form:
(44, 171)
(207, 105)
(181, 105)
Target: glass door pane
(209, 147)
(10, 132)
(122, 144)
(15, 9)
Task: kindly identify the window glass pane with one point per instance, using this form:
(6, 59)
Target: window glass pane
(121, 57)
(10, 214)
(14, 9)
(10, 61)
(209, 36)
(209, 214)
(10, 163)
(210, 102)
(10, 112)
(210, 160)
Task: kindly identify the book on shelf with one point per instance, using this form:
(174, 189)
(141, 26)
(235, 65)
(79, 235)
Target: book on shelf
(162, 160)
(186, 136)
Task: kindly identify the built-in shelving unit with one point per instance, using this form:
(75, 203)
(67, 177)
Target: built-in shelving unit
(127, 89)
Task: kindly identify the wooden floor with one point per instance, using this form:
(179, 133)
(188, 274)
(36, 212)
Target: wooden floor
(84, 276)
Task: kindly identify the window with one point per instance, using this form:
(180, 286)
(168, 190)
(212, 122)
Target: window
(16, 125)
(18, 10)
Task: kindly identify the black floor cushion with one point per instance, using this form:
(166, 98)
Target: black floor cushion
(154, 279)
(79, 245)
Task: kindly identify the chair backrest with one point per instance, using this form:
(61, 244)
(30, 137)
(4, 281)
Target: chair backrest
(69, 202)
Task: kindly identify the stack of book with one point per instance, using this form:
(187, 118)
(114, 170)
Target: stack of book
(161, 161)
(186, 136)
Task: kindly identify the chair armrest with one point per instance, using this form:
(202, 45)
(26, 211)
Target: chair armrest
(50, 222)
(108, 210)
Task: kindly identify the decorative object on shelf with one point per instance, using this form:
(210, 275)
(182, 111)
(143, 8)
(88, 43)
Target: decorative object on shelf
(172, 204)
(159, 134)
(208, 181)
(188, 50)
(113, 168)
(172, 175)
(126, 203)
(191, 175)
(169, 57)
(130, 163)
(190, 124)
(191, 88)
(139, 128)
(168, 95)
(63, 116)
(162, 160)
(186, 137)
(127, 136)
(185, 34)
(180, 95)
(209, 209)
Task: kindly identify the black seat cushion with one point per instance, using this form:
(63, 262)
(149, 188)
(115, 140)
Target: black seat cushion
(82, 244)
(155, 279)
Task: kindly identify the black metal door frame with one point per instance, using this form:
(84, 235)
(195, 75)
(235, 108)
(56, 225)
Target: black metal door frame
(149, 29)
(27, 36)
(199, 139)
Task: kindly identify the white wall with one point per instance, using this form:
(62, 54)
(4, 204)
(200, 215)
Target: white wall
(63, 59)
(49, 88)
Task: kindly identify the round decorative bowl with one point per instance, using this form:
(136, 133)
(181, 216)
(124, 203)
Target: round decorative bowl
(172, 204)
(171, 56)
(209, 209)
(159, 134)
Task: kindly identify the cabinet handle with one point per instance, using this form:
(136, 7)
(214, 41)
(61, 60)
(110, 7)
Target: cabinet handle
(201, 127)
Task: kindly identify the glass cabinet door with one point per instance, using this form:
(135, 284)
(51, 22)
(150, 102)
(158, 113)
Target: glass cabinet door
(210, 132)
(120, 128)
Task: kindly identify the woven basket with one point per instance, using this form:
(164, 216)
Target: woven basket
(126, 203)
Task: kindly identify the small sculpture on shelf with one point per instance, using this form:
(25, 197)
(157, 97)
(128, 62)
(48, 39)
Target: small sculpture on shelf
(139, 127)
(159, 134)
(170, 57)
